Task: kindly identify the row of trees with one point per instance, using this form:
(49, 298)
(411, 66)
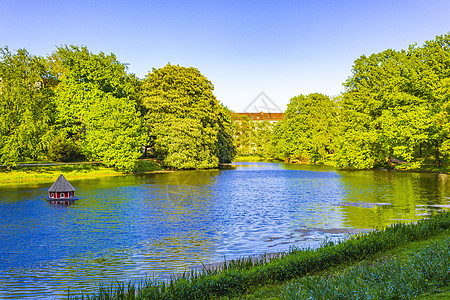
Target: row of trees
(396, 107)
(77, 103)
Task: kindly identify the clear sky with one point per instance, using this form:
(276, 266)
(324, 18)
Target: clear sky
(281, 48)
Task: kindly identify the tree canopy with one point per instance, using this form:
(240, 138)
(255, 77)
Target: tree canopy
(307, 132)
(25, 106)
(396, 105)
(395, 108)
(96, 106)
(187, 126)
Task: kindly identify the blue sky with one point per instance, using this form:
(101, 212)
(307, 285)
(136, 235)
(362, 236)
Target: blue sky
(281, 48)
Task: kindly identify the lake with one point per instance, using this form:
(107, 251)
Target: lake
(154, 225)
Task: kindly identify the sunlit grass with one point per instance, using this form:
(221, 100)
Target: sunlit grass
(24, 174)
(388, 278)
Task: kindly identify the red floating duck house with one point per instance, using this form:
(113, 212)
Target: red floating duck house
(61, 191)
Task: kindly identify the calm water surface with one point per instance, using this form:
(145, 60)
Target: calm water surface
(130, 227)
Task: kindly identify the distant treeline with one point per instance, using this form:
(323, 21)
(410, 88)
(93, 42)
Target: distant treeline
(395, 109)
(75, 104)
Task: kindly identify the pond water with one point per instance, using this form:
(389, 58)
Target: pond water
(155, 225)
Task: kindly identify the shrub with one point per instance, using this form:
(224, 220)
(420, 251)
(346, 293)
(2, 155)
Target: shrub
(61, 149)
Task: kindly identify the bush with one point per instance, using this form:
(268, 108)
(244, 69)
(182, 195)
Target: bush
(61, 149)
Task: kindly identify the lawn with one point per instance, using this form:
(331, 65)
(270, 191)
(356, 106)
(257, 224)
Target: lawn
(45, 172)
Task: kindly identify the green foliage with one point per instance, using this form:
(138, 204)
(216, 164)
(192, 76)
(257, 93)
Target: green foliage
(97, 106)
(308, 131)
(225, 136)
(188, 127)
(396, 102)
(61, 149)
(25, 106)
(113, 132)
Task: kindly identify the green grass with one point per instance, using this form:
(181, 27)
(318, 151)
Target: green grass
(438, 294)
(26, 174)
(265, 276)
(356, 276)
(389, 277)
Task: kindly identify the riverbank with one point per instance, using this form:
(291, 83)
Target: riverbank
(402, 261)
(429, 167)
(44, 172)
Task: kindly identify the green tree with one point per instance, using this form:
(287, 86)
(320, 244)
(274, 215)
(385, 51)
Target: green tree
(227, 149)
(26, 108)
(434, 59)
(97, 106)
(188, 127)
(394, 106)
(308, 131)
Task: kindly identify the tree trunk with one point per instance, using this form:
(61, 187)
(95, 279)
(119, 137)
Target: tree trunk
(388, 159)
(390, 163)
(436, 153)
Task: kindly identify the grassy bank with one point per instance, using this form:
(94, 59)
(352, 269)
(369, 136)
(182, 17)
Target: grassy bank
(404, 272)
(315, 274)
(45, 172)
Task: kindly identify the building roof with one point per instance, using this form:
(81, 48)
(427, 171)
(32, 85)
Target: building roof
(61, 185)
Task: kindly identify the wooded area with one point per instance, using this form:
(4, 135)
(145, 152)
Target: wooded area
(75, 103)
(395, 108)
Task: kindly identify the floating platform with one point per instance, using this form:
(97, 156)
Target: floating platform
(69, 200)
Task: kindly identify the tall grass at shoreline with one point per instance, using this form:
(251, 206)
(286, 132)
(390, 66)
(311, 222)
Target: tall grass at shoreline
(236, 277)
(397, 278)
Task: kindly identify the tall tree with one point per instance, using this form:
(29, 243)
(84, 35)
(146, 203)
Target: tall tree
(26, 108)
(393, 106)
(188, 127)
(97, 106)
(307, 132)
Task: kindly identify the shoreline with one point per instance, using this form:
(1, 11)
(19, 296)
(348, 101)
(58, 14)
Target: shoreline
(445, 169)
(47, 172)
(345, 263)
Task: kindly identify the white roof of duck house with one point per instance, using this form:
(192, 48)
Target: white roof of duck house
(61, 185)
